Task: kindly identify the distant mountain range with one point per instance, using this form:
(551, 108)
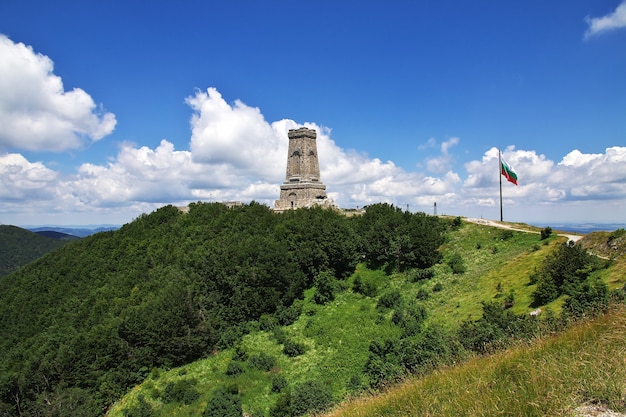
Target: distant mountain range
(583, 227)
(78, 231)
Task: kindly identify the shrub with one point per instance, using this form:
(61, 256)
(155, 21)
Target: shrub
(267, 322)
(142, 409)
(234, 368)
(354, 384)
(288, 315)
(279, 383)
(421, 274)
(293, 349)
(545, 233)
(310, 397)
(282, 406)
(438, 287)
(506, 234)
(224, 402)
(366, 288)
(422, 294)
(456, 264)
(262, 361)
(389, 299)
(324, 288)
(182, 391)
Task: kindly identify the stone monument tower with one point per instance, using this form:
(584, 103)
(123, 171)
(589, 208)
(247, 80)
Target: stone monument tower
(302, 186)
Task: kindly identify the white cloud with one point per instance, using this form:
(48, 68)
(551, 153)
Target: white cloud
(21, 180)
(35, 111)
(442, 163)
(237, 155)
(611, 21)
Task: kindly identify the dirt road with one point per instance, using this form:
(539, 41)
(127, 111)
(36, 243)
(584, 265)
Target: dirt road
(493, 223)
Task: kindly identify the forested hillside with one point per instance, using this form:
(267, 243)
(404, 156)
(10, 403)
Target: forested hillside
(82, 325)
(19, 246)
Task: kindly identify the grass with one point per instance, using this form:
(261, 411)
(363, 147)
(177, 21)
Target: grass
(337, 335)
(585, 364)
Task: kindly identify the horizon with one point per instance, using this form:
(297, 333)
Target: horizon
(101, 122)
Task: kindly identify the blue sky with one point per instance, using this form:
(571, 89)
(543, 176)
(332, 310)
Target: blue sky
(112, 109)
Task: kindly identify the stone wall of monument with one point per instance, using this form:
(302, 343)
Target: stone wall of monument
(302, 186)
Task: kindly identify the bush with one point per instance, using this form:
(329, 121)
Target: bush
(506, 234)
(545, 232)
(224, 402)
(416, 275)
(143, 409)
(366, 288)
(262, 361)
(288, 315)
(279, 383)
(310, 397)
(234, 368)
(324, 288)
(182, 391)
(438, 287)
(456, 264)
(422, 294)
(389, 299)
(293, 349)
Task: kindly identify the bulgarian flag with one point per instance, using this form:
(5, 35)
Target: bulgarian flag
(508, 171)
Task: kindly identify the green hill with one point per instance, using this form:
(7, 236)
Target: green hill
(582, 368)
(273, 314)
(19, 247)
(363, 340)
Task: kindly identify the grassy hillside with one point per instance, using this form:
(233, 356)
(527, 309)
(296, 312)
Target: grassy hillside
(337, 337)
(19, 247)
(551, 377)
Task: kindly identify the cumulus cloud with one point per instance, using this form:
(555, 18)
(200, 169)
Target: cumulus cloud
(36, 113)
(609, 22)
(578, 176)
(235, 154)
(443, 162)
(21, 180)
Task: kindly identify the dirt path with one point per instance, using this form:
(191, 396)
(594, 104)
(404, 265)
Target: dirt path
(493, 223)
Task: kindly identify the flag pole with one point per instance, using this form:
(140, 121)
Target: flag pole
(500, 176)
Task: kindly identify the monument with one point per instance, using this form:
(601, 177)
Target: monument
(302, 186)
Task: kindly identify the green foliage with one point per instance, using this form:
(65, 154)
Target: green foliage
(19, 247)
(182, 391)
(310, 397)
(279, 383)
(293, 349)
(506, 234)
(563, 272)
(224, 402)
(142, 409)
(161, 291)
(324, 288)
(367, 288)
(397, 240)
(417, 275)
(456, 264)
(234, 368)
(262, 361)
(282, 406)
(389, 299)
(383, 365)
(545, 233)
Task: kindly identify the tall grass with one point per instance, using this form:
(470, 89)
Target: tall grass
(551, 377)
